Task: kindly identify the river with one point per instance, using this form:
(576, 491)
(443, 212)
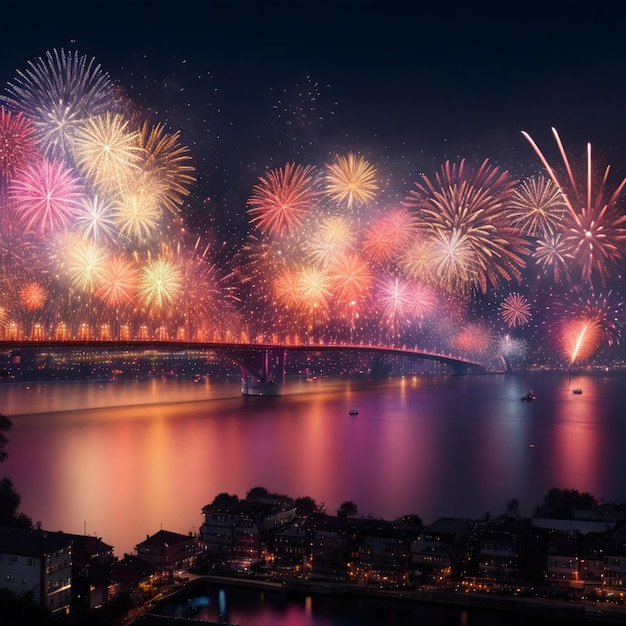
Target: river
(123, 459)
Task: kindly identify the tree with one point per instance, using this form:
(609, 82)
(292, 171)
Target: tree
(306, 505)
(9, 505)
(348, 508)
(224, 499)
(5, 425)
(561, 503)
(257, 492)
(512, 507)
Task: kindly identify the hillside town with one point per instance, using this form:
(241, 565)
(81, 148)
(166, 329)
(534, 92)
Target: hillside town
(562, 553)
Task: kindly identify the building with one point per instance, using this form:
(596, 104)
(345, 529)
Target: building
(39, 563)
(383, 553)
(440, 548)
(237, 531)
(169, 551)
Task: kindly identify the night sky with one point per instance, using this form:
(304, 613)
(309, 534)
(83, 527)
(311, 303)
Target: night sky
(406, 85)
(254, 85)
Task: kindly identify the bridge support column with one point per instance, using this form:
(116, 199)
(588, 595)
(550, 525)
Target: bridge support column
(263, 372)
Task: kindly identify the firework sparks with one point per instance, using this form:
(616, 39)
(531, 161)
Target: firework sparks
(594, 230)
(45, 197)
(106, 151)
(537, 207)
(57, 93)
(351, 180)
(467, 211)
(160, 283)
(33, 296)
(118, 282)
(283, 199)
(17, 143)
(515, 310)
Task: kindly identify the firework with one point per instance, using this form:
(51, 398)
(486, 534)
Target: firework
(474, 339)
(118, 281)
(33, 296)
(168, 164)
(389, 235)
(160, 283)
(334, 235)
(57, 93)
(515, 310)
(17, 144)
(106, 151)
(537, 207)
(136, 213)
(94, 219)
(579, 339)
(282, 199)
(45, 197)
(351, 180)
(350, 278)
(87, 262)
(594, 230)
(605, 310)
(465, 211)
(422, 299)
(314, 287)
(553, 253)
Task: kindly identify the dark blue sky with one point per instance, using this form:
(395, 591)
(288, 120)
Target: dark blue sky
(407, 86)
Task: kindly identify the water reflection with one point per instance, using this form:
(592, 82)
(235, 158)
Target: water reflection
(161, 450)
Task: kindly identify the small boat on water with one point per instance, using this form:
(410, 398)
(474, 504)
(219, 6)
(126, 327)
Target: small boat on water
(528, 397)
(577, 391)
(353, 411)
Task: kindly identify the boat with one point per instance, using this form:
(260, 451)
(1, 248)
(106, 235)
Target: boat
(577, 391)
(527, 397)
(353, 411)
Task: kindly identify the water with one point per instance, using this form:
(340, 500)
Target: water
(122, 460)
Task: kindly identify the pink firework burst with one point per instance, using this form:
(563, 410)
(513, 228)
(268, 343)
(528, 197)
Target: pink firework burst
(282, 199)
(515, 310)
(593, 226)
(17, 142)
(45, 197)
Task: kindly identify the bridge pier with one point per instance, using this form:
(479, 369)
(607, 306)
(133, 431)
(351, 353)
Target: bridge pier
(262, 371)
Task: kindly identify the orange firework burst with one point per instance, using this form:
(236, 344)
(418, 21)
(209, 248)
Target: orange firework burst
(33, 296)
(351, 277)
(118, 282)
(594, 229)
(351, 180)
(579, 338)
(282, 199)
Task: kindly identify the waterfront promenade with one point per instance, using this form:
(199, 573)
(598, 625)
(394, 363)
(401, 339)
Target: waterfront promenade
(572, 612)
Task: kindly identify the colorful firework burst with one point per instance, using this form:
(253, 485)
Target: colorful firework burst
(33, 296)
(46, 196)
(282, 199)
(17, 143)
(594, 229)
(537, 207)
(515, 310)
(168, 163)
(465, 211)
(57, 93)
(351, 180)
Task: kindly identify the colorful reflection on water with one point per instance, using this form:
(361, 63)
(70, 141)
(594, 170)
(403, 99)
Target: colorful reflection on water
(122, 460)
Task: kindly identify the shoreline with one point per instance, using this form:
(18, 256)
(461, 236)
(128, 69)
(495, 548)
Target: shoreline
(558, 610)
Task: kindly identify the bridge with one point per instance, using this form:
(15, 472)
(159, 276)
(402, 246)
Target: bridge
(262, 364)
